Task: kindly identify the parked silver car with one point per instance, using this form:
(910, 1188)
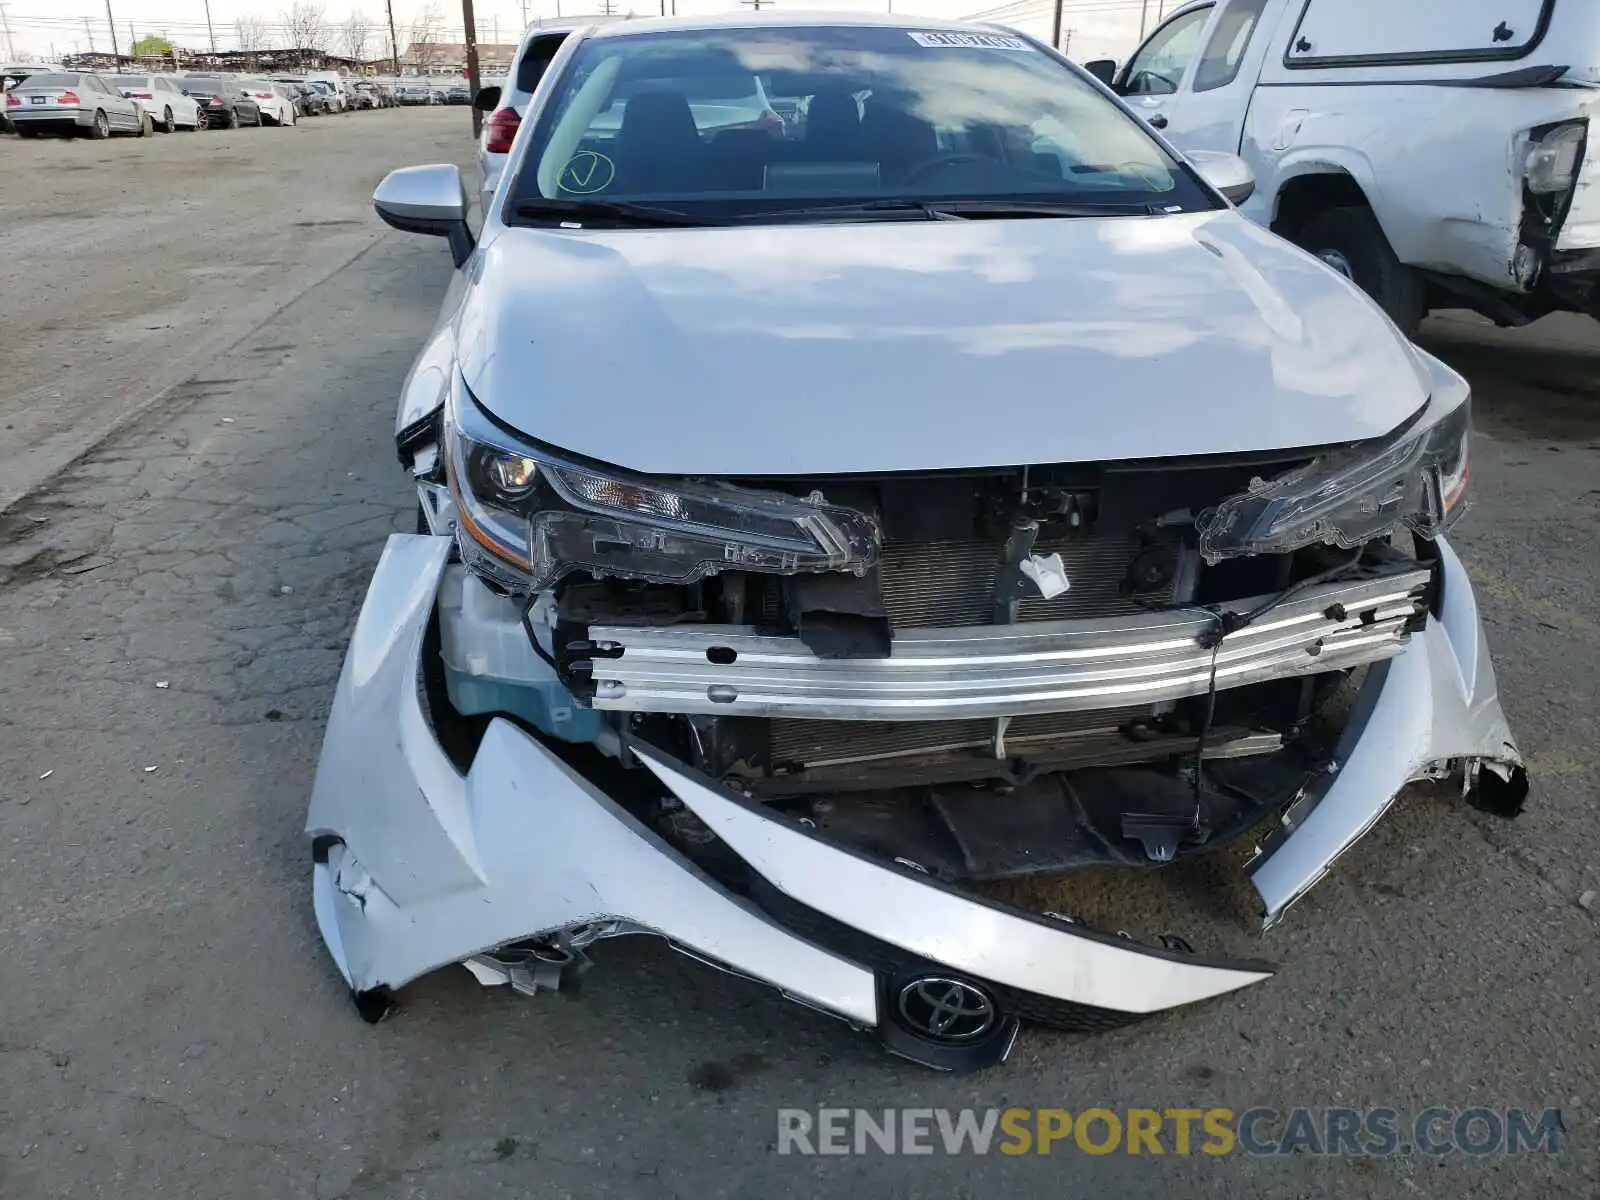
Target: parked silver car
(71, 103)
(981, 498)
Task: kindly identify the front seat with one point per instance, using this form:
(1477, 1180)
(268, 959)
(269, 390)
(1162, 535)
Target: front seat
(658, 145)
(833, 124)
(896, 138)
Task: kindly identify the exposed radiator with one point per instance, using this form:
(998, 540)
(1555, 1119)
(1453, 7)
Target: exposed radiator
(942, 584)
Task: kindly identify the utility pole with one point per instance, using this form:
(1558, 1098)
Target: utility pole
(394, 46)
(756, 4)
(210, 32)
(1067, 45)
(469, 25)
(6, 25)
(1055, 35)
(116, 54)
(89, 29)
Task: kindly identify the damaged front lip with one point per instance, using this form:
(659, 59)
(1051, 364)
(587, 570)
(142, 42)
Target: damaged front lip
(988, 941)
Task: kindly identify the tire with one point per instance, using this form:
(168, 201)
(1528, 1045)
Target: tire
(231, 121)
(101, 129)
(147, 127)
(27, 133)
(1351, 241)
(168, 123)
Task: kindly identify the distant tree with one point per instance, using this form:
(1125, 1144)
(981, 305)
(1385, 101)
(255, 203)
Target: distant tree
(354, 35)
(305, 26)
(426, 28)
(251, 33)
(152, 47)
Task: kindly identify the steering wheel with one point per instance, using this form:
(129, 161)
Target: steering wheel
(947, 159)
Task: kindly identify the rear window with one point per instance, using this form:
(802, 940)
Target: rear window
(531, 69)
(49, 81)
(1378, 32)
(133, 81)
(202, 83)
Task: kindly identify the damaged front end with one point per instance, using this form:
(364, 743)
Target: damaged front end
(798, 727)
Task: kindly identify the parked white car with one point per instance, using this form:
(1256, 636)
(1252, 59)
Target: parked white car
(1435, 151)
(274, 101)
(979, 496)
(507, 101)
(161, 96)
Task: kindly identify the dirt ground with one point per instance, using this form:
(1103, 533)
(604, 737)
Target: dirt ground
(174, 608)
(127, 265)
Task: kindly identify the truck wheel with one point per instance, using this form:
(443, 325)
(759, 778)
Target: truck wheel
(1351, 241)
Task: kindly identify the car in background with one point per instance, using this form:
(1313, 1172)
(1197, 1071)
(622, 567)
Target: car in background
(308, 101)
(223, 103)
(277, 106)
(336, 86)
(366, 95)
(414, 93)
(73, 103)
(458, 93)
(332, 98)
(163, 98)
(12, 74)
(507, 101)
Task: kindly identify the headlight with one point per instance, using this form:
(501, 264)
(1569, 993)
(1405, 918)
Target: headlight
(529, 516)
(1417, 480)
(1553, 153)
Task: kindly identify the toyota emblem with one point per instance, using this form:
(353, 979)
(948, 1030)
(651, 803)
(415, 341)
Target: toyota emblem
(947, 1010)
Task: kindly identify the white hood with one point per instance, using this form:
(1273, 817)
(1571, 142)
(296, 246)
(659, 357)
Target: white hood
(925, 345)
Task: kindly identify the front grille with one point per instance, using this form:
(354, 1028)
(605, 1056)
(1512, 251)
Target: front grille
(936, 585)
(824, 743)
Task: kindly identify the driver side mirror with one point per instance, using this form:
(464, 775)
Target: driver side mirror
(430, 199)
(487, 99)
(1103, 69)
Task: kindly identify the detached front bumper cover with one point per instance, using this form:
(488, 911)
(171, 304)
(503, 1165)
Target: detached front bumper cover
(418, 867)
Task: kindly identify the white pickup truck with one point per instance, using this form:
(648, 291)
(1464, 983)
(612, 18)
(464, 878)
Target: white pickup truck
(1436, 151)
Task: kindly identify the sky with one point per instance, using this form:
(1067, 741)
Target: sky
(43, 29)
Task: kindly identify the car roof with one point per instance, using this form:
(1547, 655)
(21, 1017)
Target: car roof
(791, 20)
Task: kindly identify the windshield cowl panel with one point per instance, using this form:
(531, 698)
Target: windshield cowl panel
(718, 125)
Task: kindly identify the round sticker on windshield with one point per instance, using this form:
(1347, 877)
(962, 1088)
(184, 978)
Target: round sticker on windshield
(587, 171)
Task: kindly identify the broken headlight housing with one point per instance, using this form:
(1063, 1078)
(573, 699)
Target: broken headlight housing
(529, 515)
(1416, 479)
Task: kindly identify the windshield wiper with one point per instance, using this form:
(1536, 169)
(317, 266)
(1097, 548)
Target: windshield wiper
(957, 210)
(1048, 208)
(614, 212)
(921, 209)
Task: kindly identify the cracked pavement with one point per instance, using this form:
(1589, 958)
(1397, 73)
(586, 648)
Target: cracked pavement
(173, 1028)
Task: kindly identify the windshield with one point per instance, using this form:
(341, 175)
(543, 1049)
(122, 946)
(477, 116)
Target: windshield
(872, 115)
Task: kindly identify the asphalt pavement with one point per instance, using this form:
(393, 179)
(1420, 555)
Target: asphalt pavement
(175, 598)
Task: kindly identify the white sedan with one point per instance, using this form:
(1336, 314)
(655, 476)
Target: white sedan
(277, 107)
(163, 98)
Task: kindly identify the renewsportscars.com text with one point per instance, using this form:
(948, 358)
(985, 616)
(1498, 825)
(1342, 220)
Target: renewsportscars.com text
(1370, 1133)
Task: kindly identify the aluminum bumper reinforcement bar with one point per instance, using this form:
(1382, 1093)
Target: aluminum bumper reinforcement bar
(1005, 670)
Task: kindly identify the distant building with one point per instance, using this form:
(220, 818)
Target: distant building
(450, 58)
